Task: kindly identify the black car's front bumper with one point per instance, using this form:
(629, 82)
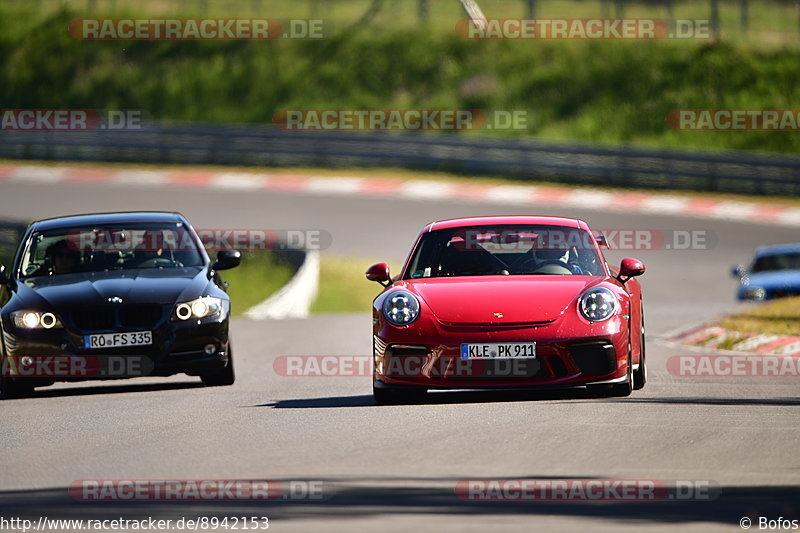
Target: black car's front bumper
(178, 347)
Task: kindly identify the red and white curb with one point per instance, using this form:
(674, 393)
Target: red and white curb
(631, 202)
(713, 336)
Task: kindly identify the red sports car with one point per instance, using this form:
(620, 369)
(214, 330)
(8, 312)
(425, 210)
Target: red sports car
(507, 302)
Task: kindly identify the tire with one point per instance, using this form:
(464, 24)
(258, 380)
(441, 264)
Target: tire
(640, 375)
(221, 378)
(10, 388)
(623, 389)
(398, 396)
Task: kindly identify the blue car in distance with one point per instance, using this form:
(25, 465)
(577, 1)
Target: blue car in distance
(774, 273)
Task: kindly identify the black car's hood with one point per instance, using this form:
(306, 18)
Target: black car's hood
(161, 286)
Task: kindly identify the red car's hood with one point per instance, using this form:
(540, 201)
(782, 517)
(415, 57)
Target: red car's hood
(519, 299)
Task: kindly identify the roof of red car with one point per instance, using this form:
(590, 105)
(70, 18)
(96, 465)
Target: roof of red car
(503, 220)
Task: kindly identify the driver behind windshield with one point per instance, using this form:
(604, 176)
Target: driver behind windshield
(60, 258)
(152, 251)
(506, 250)
(554, 261)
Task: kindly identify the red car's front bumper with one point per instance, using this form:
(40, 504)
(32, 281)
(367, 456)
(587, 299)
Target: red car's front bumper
(429, 355)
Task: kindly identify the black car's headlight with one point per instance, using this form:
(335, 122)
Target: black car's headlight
(401, 308)
(35, 320)
(204, 307)
(597, 304)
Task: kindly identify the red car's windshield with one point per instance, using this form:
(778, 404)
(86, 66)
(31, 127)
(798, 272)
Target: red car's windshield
(505, 250)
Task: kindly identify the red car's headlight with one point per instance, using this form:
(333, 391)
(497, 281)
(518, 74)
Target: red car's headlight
(597, 304)
(401, 308)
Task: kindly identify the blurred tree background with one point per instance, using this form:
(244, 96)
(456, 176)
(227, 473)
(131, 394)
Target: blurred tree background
(406, 54)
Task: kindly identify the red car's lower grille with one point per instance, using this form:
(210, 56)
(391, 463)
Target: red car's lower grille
(505, 369)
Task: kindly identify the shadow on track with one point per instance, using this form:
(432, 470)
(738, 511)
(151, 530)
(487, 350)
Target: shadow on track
(558, 396)
(353, 498)
(45, 392)
(437, 398)
(711, 401)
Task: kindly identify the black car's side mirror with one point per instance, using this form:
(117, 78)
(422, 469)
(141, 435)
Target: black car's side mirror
(227, 259)
(4, 279)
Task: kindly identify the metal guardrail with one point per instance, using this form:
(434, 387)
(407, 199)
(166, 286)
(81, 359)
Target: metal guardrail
(525, 158)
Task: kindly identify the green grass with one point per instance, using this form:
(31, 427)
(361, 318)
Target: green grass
(771, 23)
(259, 275)
(343, 287)
(779, 317)
(609, 91)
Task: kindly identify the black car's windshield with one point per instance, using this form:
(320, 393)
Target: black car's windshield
(787, 261)
(123, 246)
(505, 250)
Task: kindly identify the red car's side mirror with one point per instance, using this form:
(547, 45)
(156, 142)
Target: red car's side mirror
(630, 268)
(379, 272)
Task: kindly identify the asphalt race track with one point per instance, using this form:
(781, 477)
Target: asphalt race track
(395, 468)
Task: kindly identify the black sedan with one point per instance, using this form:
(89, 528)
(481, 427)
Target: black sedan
(116, 295)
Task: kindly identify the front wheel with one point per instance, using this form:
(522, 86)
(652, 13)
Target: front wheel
(625, 388)
(221, 378)
(640, 374)
(11, 388)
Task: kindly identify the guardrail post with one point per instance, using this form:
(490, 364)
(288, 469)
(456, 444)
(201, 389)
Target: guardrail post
(423, 11)
(531, 9)
(604, 9)
(745, 15)
(669, 6)
(715, 29)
